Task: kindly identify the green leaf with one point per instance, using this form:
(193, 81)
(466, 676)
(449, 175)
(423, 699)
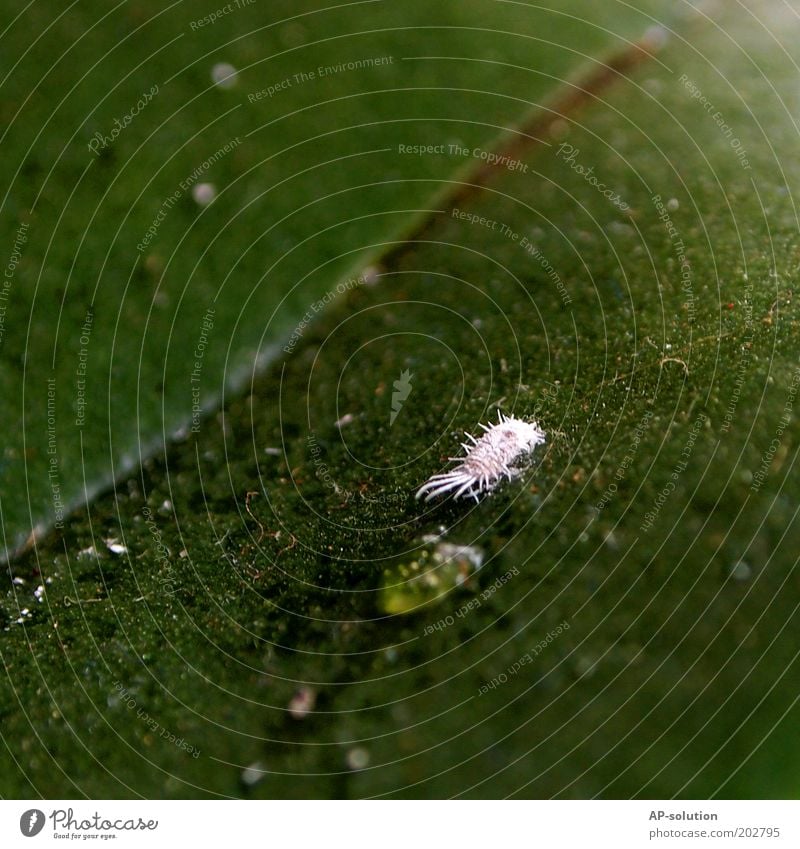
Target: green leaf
(627, 283)
(131, 307)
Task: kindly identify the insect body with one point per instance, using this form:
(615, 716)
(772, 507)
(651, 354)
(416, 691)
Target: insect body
(488, 459)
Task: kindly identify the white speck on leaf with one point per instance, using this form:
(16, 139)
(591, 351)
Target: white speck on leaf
(223, 74)
(254, 773)
(302, 703)
(357, 758)
(204, 193)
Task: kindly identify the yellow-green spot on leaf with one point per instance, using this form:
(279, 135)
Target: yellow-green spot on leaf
(409, 585)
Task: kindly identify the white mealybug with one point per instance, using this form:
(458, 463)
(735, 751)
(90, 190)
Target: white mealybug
(488, 459)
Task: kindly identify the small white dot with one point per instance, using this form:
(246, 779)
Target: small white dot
(741, 571)
(370, 275)
(224, 75)
(358, 758)
(254, 773)
(204, 193)
(655, 37)
(346, 419)
(302, 703)
(114, 547)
